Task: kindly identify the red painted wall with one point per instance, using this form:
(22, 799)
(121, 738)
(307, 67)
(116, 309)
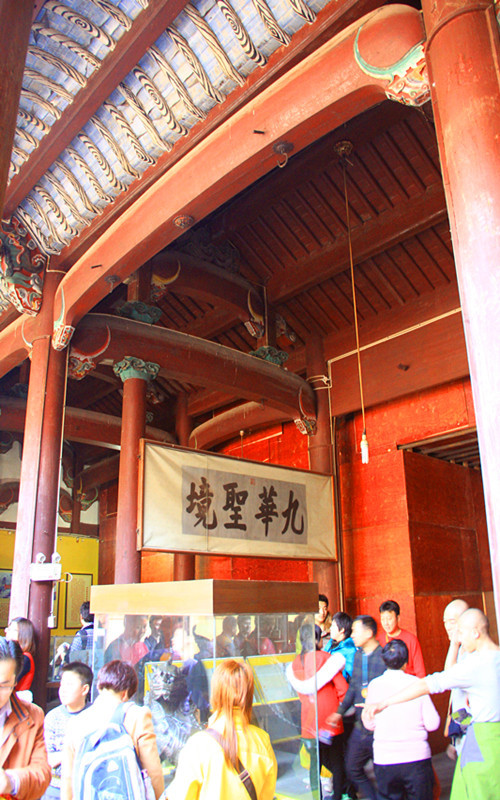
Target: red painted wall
(414, 527)
(401, 507)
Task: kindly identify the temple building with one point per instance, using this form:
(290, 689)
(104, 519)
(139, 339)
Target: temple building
(268, 229)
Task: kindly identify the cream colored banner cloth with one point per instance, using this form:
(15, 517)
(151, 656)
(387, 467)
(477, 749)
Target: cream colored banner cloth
(208, 503)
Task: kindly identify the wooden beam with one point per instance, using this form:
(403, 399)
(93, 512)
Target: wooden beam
(15, 341)
(7, 316)
(128, 51)
(330, 20)
(100, 393)
(386, 324)
(434, 353)
(189, 359)
(311, 163)
(302, 105)
(373, 238)
(193, 277)
(246, 417)
(80, 425)
(205, 400)
(211, 324)
(427, 356)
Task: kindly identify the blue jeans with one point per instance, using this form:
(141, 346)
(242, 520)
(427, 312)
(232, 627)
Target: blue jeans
(359, 752)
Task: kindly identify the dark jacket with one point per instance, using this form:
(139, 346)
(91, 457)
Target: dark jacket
(365, 669)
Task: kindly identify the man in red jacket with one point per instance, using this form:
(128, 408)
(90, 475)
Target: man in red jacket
(389, 619)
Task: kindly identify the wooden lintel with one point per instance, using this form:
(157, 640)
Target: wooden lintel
(189, 359)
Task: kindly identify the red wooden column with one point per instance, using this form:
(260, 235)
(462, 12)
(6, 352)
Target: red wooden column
(463, 58)
(36, 526)
(15, 26)
(184, 563)
(45, 532)
(135, 374)
(325, 573)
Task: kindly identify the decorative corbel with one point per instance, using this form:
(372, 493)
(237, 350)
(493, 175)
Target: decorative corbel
(22, 266)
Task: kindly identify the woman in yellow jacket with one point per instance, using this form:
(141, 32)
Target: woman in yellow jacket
(214, 763)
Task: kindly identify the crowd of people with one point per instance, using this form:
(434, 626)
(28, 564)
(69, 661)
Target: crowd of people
(364, 699)
(388, 696)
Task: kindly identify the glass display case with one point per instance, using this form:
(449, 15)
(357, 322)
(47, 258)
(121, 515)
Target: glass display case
(175, 634)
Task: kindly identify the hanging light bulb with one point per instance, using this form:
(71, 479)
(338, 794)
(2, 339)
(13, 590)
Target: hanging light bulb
(364, 448)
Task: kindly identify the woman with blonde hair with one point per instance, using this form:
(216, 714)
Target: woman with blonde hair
(232, 758)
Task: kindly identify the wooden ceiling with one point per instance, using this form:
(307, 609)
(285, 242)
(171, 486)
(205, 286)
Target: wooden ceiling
(287, 235)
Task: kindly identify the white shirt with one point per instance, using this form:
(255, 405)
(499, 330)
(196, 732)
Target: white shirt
(479, 674)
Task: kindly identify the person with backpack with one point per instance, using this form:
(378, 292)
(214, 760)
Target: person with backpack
(112, 752)
(231, 758)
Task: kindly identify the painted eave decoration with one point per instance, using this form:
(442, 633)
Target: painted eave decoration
(204, 54)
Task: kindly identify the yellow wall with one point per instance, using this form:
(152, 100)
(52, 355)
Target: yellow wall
(79, 555)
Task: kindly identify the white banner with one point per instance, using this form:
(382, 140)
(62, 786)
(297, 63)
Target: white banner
(207, 503)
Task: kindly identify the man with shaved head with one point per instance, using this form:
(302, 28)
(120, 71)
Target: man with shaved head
(477, 775)
(451, 615)
(458, 698)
